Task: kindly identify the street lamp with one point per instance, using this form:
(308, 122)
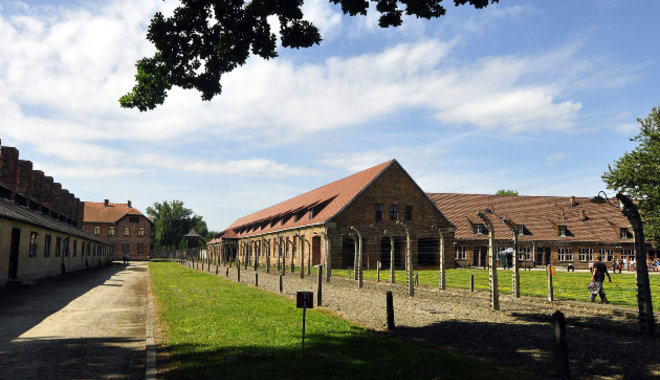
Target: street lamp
(442, 253)
(411, 287)
(494, 293)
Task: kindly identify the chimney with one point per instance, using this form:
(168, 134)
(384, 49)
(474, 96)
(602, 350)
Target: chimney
(8, 163)
(583, 215)
(48, 195)
(106, 202)
(24, 178)
(572, 201)
(129, 204)
(37, 193)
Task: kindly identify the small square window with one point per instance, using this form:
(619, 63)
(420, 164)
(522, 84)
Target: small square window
(97, 230)
(407, 211)
(111, 231)
(394, 212)
(47, 246)
(479, 229)
(521, 230)
(625, 234)
(124, 248)
(127, 231)
(34, 240)
(141, 231)
(140, 248)
(379, 211)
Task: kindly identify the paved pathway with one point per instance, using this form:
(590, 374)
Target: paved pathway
(84, 325)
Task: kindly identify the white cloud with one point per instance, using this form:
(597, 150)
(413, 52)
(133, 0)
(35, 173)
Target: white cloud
(556, 157)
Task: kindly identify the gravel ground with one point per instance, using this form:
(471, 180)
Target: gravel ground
(604, 341)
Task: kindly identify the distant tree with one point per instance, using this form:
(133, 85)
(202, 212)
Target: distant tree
(506, 192)
(172, 222)
(205, 39)
(637, 174)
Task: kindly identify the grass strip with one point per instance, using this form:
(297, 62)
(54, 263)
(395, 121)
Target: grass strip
(566, 285)
(218, 329)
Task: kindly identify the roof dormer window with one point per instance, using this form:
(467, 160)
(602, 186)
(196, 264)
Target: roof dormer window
(521, 230)
(563, 231)
(625, 233)
(480, 229)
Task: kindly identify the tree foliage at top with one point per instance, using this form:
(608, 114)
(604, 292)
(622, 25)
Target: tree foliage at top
(637, 174)
(172, 222)
(506, 192)
(205, 39)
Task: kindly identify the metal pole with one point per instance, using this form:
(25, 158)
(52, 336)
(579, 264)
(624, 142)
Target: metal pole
(644, 302)
(411, 286)
(301, 241)
(358, 267)
(515, 277)
(494, 291)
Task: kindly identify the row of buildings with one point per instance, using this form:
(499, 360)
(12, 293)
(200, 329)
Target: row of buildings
(46, 230)
(382, 208)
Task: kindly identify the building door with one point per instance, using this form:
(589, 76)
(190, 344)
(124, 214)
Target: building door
(13, 253)
(543, 256)
(479, 256)
(316, 250)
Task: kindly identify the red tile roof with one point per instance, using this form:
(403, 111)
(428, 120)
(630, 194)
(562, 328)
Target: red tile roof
(541, 215)
(99, 212)
(324, 202)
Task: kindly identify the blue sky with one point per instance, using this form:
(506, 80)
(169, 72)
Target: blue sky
(534, 96)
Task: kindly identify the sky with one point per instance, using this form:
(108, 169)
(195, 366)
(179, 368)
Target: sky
(535, 96)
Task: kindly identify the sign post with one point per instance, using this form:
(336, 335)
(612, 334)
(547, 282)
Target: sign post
(304, 300)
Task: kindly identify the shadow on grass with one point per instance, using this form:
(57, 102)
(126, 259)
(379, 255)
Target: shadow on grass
(359, 354)
(598, 347)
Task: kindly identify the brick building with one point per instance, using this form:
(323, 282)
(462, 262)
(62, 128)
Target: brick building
(40, 232)
(128, 230)
(557, 230)
(328, 221)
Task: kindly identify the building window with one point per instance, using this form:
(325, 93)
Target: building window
(586, 254)
(89, 249)
(97, 230)
(134, 219)
(562, 231)
(394, 212)
(479, 229)
(521, 230)
(34, 240)
(460, 252)
(525, 253)
(58, 244)
(407, 212)
(66, 247)
(141, 231)
(140, 248)
(75, 248)
(607, 254)
(625, 234)
(111, 231)
(379, 211)
(124, 248)
(47, 246)
(127, 231)
(565, 254)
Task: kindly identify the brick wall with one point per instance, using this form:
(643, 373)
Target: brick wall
(133, 239)
(36, 188)
(395, 186)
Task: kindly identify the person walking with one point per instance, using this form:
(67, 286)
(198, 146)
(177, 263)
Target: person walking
(600, 270)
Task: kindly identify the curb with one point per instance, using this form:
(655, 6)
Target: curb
(150, 370)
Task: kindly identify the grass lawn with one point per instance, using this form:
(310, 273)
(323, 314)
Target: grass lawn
(567, 285)
(218, 329)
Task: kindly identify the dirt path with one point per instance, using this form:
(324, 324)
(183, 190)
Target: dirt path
(84, 325)
(603, 340)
